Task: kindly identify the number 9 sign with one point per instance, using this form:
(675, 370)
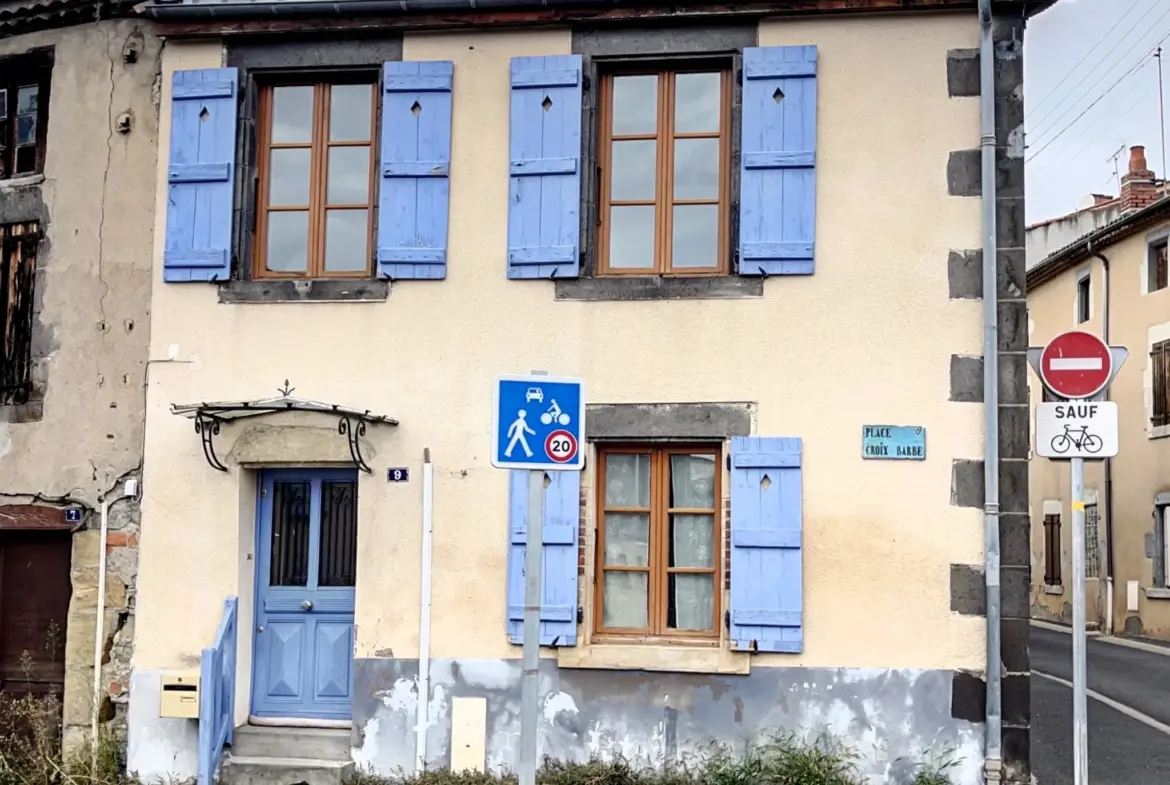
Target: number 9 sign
(560, 446)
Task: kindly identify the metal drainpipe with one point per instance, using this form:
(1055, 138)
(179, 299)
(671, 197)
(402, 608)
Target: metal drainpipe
(993, 762)
(1109, 587)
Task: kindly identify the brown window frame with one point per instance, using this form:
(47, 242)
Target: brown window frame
(1160, 384)
(1052, 550)
(30, 70)
(319, 146)
(660, 512)
(664, 200)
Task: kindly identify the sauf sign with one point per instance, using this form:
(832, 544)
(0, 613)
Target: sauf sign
(1078, 367)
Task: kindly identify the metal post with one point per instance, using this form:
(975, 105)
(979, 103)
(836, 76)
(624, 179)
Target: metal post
(1080, 718)
(530, 682)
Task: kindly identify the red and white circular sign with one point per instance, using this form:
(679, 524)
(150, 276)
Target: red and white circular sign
(1076, 364)
(560, 446)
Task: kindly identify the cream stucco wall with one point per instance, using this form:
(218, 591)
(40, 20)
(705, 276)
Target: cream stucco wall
(867, 339)
(1142, 468)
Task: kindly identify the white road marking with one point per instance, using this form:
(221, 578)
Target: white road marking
(1113, 640)
(1075, 364)
(1144, 719)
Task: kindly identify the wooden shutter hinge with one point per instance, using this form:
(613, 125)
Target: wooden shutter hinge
(728, 461)
(580, 615)
(727, 620)
(739, 76)
(586, 81)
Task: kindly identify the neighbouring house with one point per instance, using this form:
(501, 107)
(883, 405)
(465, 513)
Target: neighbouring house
(1109, 277)
(78, 149)
(366, 212)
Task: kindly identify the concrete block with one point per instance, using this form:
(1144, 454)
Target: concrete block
(254, 741)
(964, 173)
(1014, 539)
(968, 590)
(1015, 433)
(968, 697)
(966, 378)
(967, 483)
(1013, 326)
(241, 770)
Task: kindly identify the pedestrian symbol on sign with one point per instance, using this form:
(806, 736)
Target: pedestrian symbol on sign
(516, 433)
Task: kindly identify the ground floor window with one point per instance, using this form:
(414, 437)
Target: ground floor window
(1092, 542)
(658, 539)
(1052, 550)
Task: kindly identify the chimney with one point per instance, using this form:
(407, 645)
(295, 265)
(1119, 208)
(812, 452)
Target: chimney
(1138, 188)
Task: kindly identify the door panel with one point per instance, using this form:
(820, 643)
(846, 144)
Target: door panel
(306, 571)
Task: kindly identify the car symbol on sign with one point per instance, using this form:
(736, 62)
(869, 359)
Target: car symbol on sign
(534, 394)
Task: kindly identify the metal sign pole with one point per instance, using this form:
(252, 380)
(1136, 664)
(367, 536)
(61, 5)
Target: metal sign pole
(1080, 718)
(530, 678)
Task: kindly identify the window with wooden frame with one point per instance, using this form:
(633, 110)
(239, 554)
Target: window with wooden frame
(1160, 383)
(1052, 550)
(24, 113)
(665, 164)
(658, 542)
(315, 202)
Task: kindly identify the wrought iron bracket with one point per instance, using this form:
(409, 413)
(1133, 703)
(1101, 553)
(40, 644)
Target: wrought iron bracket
(209, 417)
(207, 426)
(352, 434)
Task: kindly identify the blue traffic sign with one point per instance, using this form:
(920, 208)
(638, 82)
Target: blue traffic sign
(538, 422)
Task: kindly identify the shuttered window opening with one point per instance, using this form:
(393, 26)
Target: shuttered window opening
(18, 262)
(1160, 377)
(1052, 550)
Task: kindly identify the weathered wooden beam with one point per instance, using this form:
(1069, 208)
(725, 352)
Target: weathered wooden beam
(646, 12)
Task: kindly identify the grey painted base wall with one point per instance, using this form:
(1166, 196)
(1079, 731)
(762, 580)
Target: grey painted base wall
(159, 749)
(894, 718)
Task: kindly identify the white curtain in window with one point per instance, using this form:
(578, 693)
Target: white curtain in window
(692, 479)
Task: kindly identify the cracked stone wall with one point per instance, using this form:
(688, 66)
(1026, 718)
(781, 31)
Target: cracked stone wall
(80, 436)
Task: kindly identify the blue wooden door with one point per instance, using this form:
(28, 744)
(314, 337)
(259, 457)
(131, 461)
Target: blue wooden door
(305, 570)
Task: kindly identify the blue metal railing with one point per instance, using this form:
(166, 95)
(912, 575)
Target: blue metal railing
(217, 684)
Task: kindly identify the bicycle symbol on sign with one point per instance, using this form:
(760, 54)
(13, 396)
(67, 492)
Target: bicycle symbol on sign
(1076, 437)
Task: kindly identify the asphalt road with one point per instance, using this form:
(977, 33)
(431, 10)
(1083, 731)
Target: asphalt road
(1122, 750)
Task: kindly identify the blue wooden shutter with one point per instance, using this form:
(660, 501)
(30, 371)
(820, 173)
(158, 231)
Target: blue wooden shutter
(766, 581)
(558, 602)
(416, 169)
(544, 196)
(200, 175)
(777, 200)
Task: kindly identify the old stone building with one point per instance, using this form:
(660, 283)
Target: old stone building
(78, 135)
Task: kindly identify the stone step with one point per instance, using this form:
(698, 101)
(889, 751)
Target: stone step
(255, 741)
(262, 770)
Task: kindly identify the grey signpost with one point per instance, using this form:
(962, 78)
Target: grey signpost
(1077, 367)
(538, 424)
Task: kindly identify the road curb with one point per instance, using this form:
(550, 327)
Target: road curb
(1110, 639)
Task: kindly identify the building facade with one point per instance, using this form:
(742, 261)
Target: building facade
(79, 125)
(1111, 281)
(361, 221)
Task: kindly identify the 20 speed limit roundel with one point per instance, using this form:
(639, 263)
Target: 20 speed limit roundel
(560, 446)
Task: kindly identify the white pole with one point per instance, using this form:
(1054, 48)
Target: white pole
(530, 676)
(1080, 716)
(424, 622)
(99, 631)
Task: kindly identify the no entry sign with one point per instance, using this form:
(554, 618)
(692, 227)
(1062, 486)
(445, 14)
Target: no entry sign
(1076, 364)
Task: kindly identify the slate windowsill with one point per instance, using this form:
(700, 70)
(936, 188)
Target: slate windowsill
(1055, 589)
(653, 657)
(1154, 593)
(322, 291)
(708, 287)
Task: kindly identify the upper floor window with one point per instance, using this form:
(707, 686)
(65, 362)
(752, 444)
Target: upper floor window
(1160, 383)
(658, 542)
(1084, 293)
(1052, 550)
(665, 162)
(315, 213)
(18, 262)
(1157, 266)
(24, 109)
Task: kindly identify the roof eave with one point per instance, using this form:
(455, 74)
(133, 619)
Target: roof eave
(1110, 234)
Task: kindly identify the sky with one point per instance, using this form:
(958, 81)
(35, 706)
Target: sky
(1090, 89)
